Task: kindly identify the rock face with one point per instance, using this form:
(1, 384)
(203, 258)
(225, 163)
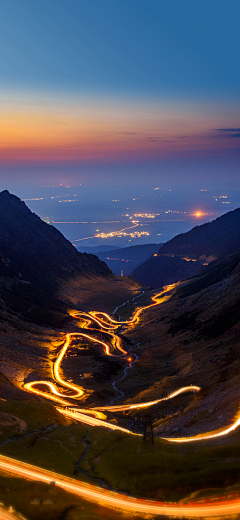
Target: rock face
(186, 254)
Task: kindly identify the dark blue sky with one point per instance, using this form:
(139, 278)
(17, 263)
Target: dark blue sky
(103, 91)
(138, 46)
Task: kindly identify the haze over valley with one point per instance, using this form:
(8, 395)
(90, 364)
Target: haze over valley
(131, 215)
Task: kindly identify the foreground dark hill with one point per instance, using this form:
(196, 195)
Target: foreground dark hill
(187, 253)
(128, 258)
(40, 268)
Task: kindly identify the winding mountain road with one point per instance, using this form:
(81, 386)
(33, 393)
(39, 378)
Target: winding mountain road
(95, 417)
(109, 326)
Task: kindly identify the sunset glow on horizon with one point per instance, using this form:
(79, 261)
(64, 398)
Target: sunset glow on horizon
(88, 129)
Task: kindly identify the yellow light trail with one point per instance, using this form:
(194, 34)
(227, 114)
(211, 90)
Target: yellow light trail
(31, 387)
(156, 299)
(8, 515)
(95, 413)
(56, 371)
(117, 500)
(84, 415)
(207, 435)
(118, 408)
(94, 421)
(93, 315)
(107, 323)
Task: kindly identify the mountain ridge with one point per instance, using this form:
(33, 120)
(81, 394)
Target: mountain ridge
(126, 258)
(186, 254)
(41, 272)
(220, 236)
(21, 231)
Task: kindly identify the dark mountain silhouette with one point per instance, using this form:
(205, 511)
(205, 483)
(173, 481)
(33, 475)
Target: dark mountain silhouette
(32, 250)
(127, 258)
(38, 266)
(220, 277)
(96, 249)
(222, 270)
(208, 241)
(186, 254)
(163, 270)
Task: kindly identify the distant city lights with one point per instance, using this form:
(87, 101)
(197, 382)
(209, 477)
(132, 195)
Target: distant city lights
(145, 215)
(33, 199)
(121, 233)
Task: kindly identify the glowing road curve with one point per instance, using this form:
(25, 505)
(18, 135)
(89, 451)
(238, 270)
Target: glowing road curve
(107, 326)
(116, 500)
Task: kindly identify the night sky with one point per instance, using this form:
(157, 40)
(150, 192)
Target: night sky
(120, 93)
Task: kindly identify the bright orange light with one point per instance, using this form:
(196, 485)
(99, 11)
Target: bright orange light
(199, 214)
(129, 359)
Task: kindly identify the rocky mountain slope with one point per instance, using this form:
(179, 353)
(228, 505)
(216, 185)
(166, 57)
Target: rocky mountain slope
(42, 273)
(187, 253)
(213, 239)
(193, 338)
(32, 249)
